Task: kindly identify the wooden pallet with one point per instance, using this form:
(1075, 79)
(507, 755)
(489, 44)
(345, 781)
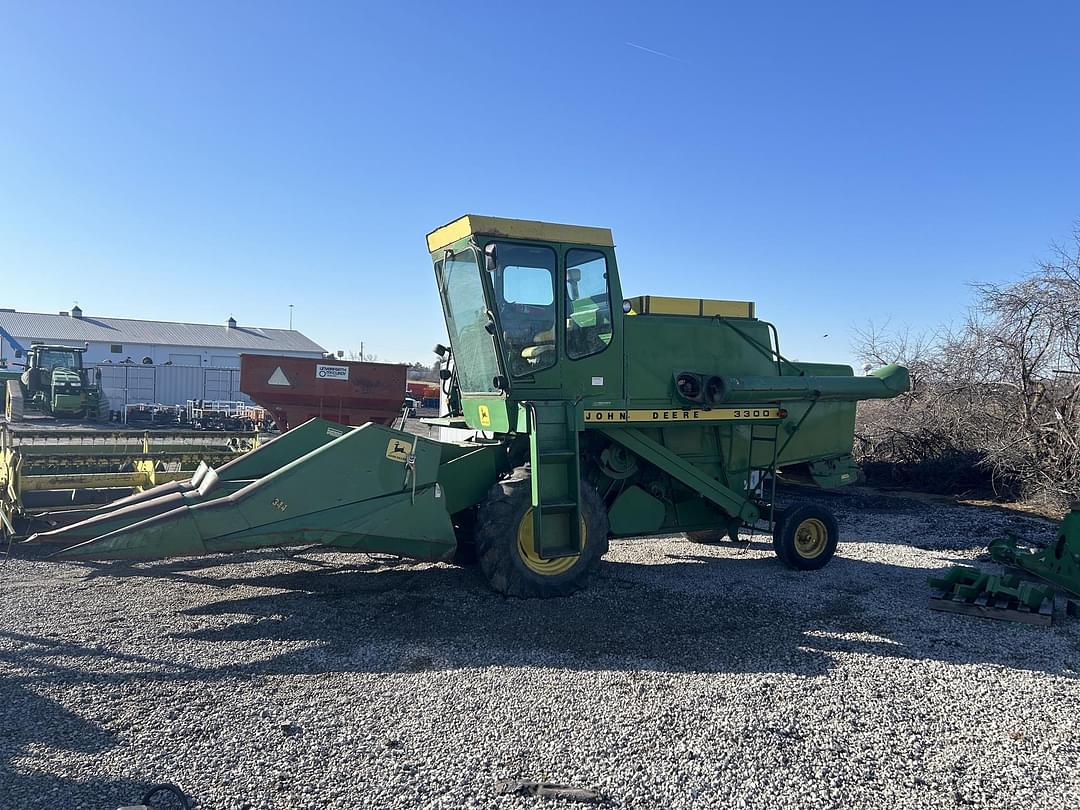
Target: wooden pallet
(1000, 607)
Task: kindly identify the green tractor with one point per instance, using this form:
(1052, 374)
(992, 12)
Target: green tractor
(53, 382)
(580, 415)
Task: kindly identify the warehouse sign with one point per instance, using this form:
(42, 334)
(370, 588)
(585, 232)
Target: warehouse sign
(680, 415)
(331, 372)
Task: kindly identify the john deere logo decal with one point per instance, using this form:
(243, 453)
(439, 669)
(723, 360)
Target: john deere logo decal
(485, 415)
(398, 450)
(683, 415)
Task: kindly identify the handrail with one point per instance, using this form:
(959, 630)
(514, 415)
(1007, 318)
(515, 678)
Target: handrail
(767, 353)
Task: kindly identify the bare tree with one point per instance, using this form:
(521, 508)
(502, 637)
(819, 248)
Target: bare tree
(995, 402)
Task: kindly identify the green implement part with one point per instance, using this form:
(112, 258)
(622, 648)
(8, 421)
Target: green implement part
(968, 583)
(972, 592)
(579, 415)
(1060, 563)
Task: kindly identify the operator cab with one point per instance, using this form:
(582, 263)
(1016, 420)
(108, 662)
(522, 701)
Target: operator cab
(56, 367)
(529, 307)
(53, 357)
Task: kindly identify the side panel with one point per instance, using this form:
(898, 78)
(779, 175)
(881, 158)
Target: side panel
(659, 346)
(827, 429)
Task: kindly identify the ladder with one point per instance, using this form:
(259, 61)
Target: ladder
(555, 479)
(769, 437)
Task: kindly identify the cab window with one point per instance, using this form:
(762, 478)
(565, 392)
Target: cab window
(588, 303)
(53, 359)
(525, 285)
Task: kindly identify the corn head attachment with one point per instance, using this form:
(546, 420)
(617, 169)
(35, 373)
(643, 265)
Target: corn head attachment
(369, 488)
(580, 415)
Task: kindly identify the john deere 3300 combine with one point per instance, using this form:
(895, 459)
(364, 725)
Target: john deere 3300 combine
(595, 416)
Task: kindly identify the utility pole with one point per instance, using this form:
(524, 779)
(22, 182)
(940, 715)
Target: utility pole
(290, 317)
(361, 351)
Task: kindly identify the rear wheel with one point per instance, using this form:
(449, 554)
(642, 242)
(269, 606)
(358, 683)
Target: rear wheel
(504, 542)
(805, 537)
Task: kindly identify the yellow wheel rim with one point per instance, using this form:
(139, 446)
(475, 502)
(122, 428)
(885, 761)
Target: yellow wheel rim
(547, 568)
(811, 537)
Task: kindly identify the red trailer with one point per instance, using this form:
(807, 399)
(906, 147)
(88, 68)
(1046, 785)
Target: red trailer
(425, 393)
(295, 389)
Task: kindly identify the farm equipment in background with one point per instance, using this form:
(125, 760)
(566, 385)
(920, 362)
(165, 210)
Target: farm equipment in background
(228, 415)
(424, 394)
(972, 592)
(296, 389)
(55, 383)
(592, 416)
(52, 474)
(150, 414)
(1059, 563)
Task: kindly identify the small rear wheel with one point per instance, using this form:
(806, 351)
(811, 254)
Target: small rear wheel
(805, 537)
(504, 544)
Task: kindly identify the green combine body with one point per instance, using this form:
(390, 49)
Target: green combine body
(590, 416)
(53, 382)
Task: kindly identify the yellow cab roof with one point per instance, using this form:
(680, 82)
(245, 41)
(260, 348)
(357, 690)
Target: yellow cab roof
(527, 229)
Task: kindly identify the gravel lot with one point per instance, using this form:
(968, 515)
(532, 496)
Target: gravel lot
(686, 676)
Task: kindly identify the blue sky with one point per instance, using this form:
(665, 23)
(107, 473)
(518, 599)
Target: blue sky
(836, 162)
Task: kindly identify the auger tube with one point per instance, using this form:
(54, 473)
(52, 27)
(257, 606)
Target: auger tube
(883, 383)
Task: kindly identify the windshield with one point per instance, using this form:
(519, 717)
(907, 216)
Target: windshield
(58, 359)
(466, 320)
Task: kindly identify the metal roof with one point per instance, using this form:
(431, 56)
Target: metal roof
(64, 328)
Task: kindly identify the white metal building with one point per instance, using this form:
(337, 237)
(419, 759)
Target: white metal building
(156, 361)
(120, 340)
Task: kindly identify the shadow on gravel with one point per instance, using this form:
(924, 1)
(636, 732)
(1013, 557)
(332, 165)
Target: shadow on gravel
(444, 618)
(161, 568)
(32, 727)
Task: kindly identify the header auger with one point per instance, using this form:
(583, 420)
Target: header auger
(593, 416)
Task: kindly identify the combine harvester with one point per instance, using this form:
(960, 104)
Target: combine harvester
(594, 416)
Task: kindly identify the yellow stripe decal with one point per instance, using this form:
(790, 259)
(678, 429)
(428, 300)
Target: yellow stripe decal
(691, 415)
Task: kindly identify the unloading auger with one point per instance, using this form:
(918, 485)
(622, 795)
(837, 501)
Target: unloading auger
(590, 416)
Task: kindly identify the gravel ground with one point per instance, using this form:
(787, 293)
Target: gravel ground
(686, 676)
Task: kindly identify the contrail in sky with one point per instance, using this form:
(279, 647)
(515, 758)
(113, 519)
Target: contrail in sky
(657, 53)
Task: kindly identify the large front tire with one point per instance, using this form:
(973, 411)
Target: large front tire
(504, 543)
